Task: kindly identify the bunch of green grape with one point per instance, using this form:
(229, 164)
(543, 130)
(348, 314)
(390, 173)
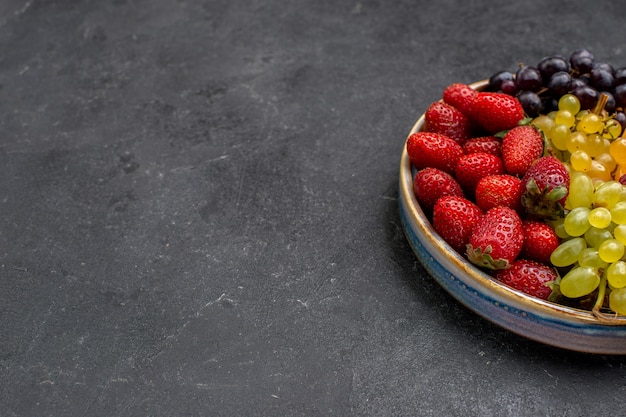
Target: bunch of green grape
(593, 230)
(594, 240)
(584, 139)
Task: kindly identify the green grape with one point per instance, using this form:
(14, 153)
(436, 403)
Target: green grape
(558, 226)
(590, 123)
(581, 191)
(612, 129)
(564, 117)
(544, 123)
(600, 217)
(616, 274)
(576, 141)
(579, 281)
(618, 212)
(558, 135)
(617, 301)
(595, 236)
(607, 194)
(620, 233)
(567, 253)
(570, 103)
(577, 221)
(580, 161)
(591, 257)
(611, 250)
(595, 145)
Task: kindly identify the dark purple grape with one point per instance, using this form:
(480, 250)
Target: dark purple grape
(581, 61)
(588, 96)
(528, 78)
(578, 82)
(495, 81)
(531, 102)
(604, 66)
(552, 64)
(620, 76)
(559, 83)
(619, 93)
(508, 87)
(601, 79)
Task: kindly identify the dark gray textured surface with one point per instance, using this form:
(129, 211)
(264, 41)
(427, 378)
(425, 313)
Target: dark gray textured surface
(199, 217)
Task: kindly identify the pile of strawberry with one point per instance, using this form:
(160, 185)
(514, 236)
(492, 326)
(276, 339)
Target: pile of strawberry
(483, 178)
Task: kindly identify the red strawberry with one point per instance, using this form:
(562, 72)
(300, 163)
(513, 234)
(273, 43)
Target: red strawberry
(530, 277)
(540, 240)
(521, 146)
(496, 112)
(471, 168)
(499, 190)
(454, 219)
(486, 144)
(435, 150)
(429, 184)
(459, 96)
(546, 185)
(497, 239)
(447, 120)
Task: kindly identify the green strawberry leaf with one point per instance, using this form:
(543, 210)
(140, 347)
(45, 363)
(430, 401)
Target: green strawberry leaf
(483, 259)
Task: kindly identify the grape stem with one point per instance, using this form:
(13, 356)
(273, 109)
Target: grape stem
(602, 100)
(605, 318)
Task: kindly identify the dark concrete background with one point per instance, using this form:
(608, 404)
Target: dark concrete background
(198, 210)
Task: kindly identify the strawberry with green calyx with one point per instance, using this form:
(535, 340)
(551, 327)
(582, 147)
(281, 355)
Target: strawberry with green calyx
(454, 219)
(530, 277)
(496, 240)
(521, 146)
(499, 190)
(427, 149)
(443, 118)
(496, 112)
(430, 184)
(546, 186)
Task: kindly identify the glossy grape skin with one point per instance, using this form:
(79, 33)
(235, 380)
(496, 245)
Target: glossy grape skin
(567, 253)
(581, 191)
(577, 221)
(508, 87)
(559, 83)
(588, 96)
(552, 64)
(582, 60)
(591, 257)
(616, 274)
(602, 79)
(620, 76)
(595, 236)
(611, 250)
(580, 281)
(617, 300)
(531, 102)
(495, 81)
(528, 78)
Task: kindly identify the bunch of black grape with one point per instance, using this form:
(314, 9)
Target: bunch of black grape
(539, 87)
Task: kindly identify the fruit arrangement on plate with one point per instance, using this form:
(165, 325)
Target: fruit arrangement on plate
(524, 176)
